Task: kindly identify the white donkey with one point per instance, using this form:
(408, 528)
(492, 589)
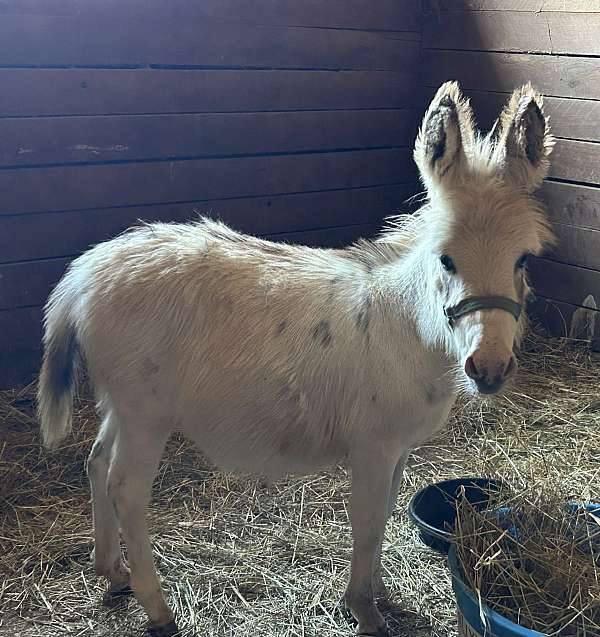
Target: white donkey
(277, 358)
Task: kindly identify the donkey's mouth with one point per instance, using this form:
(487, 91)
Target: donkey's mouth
(490, 389)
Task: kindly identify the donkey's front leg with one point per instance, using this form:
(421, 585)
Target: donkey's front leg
(380, 589)
(371, 481)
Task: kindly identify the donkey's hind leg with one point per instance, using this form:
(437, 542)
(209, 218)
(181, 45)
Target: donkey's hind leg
(138, 449)
(107, 557)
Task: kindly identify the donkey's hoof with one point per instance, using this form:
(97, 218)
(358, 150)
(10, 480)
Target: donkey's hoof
(344, 610)
(114, 596)
(164, 630)
(382, 631)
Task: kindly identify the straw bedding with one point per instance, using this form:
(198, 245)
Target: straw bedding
(240, 557)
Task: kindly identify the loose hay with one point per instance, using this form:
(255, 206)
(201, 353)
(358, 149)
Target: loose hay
(536, 563)
(240, 557)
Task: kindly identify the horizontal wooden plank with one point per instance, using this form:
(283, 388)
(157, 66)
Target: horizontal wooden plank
(54, 140)
(20, 330)
(103, 41)
(76, 187)
(396, 15)
(576, 161)
(572, 204)
(516, 31)
(40, 92)
(562, 282)
(571, 6)
(577, 246)
(17, 370)
(569, 118)
(38, 236)
(555, 317)
(29, 283)
(329, 237)
(555, 75)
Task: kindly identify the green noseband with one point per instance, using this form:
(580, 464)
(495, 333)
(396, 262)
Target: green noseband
(476, 303)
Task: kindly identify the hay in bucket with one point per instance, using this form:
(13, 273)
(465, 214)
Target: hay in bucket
(240, 557)
(535, 560)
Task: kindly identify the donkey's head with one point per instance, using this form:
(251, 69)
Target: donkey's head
(482, 223)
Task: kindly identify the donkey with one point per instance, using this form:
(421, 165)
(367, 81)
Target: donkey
(281, 359)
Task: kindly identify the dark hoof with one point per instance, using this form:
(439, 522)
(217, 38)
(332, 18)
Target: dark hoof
(166, 630)
(382, 631)
(116, 596)
(384, 604)
(345, 611)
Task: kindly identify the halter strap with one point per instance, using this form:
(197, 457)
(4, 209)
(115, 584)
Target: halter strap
(476, 303)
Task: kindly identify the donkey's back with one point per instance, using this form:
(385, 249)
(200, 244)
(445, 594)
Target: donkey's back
(247, 345)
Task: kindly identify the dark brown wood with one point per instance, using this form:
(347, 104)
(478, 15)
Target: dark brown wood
(52, 140)
(577, 246)
(20, 330)
(19, 369)
(39, 236)
(574, 119)
(516, 31)
(75, 187)
(29, 283)
(394, 15)
(561, 76)
(329, 237)
(572, 204)
(563, 282)
(576, 161)
(41, 92)
(555, 317)
(184, 40)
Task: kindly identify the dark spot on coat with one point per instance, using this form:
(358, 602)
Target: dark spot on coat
(374, 398)
(322, 333)
(430, 393)
(149, 368)
(282, 327)
(363, 318)
(333, 283)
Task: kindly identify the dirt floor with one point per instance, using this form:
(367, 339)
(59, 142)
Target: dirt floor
(238, 557)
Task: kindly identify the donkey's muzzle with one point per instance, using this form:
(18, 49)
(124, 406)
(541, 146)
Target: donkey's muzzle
(490, 378)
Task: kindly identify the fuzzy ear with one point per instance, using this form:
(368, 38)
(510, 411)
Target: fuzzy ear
(445, 135)
(523, 137)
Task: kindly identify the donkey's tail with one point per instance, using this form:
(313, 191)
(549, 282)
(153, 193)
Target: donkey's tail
(58, 376)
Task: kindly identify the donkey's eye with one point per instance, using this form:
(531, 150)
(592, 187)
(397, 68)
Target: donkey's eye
(447, 263)
(522, 261)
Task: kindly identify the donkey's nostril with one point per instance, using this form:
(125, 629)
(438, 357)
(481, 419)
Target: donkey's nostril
(471, 369)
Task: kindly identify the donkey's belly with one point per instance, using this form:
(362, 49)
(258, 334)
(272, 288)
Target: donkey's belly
(262, 439)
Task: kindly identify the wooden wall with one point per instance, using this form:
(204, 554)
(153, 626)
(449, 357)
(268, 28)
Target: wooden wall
(492, 46)
(287, 118)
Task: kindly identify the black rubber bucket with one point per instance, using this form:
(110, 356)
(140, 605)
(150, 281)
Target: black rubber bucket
(433, 509)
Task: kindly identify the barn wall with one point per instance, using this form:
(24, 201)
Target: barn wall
(287, 119)
(491, 47)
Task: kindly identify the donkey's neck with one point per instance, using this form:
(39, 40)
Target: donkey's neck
(408, 288)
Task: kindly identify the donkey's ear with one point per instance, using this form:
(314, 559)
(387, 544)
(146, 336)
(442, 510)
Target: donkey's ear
(445, 134)
(523, 136)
